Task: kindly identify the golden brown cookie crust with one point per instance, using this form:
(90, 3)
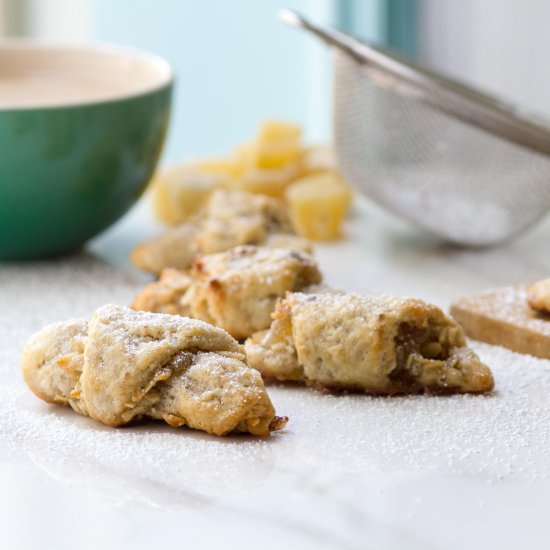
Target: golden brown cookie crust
(376, 344)
(538, 295)
(127, 365)
(229, 219)
(174, 248)
(235, 290)
(52, 360)
(164, 295)
(503, 317)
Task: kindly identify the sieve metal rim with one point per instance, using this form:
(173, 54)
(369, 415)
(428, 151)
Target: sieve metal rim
(447, 95)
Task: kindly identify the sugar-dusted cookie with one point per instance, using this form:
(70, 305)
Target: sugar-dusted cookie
(235, 290)
(376, 344)
(229, 218)
(165, 295)
(52, 360)
(503, 317)
(175, 248)
(125, 365)
(232, 218)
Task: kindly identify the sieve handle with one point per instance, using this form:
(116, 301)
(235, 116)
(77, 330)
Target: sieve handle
(360, 51)
(333, 37)
(439, 92)
(330, 35)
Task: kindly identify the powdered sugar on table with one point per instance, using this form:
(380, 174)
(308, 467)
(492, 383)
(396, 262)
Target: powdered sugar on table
(341, 448)
(502, 435)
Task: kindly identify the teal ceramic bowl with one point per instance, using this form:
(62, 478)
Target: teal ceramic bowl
(81, 131)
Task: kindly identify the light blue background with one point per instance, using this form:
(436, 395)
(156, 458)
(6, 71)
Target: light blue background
(236, 64)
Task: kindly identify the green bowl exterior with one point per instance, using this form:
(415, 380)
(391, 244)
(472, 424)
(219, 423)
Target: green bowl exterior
(67, 173)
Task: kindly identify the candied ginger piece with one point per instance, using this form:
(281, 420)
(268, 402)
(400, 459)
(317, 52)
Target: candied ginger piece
(181, 190)
(318, 205)
(278, 143)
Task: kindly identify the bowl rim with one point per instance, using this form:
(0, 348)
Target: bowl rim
(165, 70)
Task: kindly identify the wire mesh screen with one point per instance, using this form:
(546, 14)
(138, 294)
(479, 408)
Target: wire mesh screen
(452, 179)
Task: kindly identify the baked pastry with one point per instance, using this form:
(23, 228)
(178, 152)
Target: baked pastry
(503, 317)
(165, 295)
(538, 295)
(174, 248)
(230, 218)
(235, 290)
(125, 365)
(376, 344)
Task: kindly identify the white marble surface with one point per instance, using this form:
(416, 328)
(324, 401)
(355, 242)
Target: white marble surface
(348, 472)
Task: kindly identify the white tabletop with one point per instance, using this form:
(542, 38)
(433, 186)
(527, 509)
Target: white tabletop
(348, 472)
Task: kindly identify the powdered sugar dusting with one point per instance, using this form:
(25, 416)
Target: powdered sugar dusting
(501, 436)
(509, 305)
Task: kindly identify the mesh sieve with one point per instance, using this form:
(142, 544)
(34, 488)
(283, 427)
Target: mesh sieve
(445, 157)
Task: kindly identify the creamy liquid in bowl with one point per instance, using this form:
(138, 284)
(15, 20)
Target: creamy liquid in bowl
(28, 90)
(34, 76)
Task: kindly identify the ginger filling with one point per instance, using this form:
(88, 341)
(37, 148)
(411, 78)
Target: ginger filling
(416, 348)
